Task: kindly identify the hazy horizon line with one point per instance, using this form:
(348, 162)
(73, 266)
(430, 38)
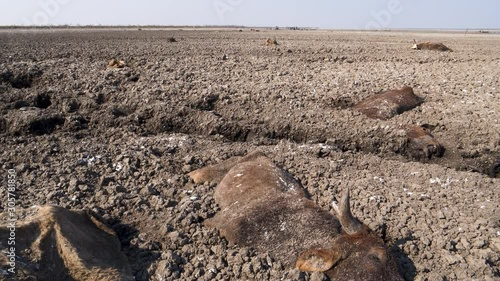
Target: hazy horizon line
(235, 26)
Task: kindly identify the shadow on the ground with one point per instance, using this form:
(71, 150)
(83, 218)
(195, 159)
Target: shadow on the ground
(406, 266)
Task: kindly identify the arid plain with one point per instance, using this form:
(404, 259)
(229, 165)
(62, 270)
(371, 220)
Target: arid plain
(121, 141)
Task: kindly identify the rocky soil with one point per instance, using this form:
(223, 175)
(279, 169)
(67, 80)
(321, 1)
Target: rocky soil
(120, 141)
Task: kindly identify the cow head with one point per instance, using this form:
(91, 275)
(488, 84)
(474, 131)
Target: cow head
(358, 254)
(422, 143)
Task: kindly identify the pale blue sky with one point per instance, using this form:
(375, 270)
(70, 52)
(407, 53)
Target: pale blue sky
(343, 14)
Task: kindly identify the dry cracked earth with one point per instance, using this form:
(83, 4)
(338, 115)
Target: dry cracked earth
(120, 141)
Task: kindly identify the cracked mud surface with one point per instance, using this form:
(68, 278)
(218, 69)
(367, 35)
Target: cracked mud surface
(120, 141)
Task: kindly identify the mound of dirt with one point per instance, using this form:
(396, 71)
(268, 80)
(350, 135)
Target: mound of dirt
(53, 243)
(20, 75)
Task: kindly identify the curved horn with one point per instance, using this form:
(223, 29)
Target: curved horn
(415, 45)
(349, 223)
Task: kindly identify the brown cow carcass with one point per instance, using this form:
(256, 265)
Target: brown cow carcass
(389, 103)
(264, 207)
(271, 42)
(114, 63)
(54, 243)
(431, 46)
(421, 143)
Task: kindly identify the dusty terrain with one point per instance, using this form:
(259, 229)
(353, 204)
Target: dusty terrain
(120, 141)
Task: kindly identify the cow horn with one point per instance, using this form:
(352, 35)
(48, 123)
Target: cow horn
(349, 223)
